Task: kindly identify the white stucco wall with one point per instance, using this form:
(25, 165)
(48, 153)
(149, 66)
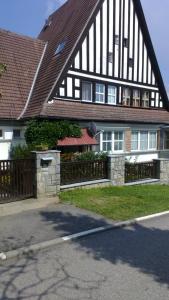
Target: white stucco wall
(8, 141)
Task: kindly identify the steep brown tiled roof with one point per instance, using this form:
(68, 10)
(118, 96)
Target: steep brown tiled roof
(21, 55)
(95, 112)
(67, 23)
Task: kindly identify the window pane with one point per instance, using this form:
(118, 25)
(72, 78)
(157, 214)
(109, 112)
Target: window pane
(107, 146)
(107, 136)
(144, 140)
(86, 91)
(134, 141)
(118, 135)
(16, 133)
(112, 94)
(153, 140)
(118, 140)
(118, 146)
(100, 93)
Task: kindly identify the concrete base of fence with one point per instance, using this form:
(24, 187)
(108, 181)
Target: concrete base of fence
(87, 184)
(47, 173)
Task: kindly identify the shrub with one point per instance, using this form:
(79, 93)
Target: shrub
(48, 132)
(90, 156)
(21, 152)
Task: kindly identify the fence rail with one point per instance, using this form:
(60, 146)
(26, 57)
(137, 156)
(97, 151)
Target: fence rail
(139, 171)
(16, 179)
(81, 171)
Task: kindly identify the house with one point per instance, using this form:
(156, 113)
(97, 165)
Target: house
(93, 63)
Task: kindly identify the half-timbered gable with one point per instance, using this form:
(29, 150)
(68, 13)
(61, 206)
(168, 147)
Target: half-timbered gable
(115, 62)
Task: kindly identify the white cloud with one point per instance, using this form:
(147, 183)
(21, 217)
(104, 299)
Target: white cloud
(52, 5)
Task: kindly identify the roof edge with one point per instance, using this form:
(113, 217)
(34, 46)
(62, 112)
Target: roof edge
(33, 83)
(150, 48)
(72, 51)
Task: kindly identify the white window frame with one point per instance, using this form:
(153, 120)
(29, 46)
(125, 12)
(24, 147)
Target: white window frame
(152, 131)
(119, 141)
(112, 141)
(100, 93)
(91, 85)
(139, 140)
(145, 99)
(112, 95)
(126, 96)
(136, 98)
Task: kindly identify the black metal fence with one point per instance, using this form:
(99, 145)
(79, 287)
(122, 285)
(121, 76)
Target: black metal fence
(139, 171)
(17, 179)
(81, 171)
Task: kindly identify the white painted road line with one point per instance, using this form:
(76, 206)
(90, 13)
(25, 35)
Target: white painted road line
(33, 248)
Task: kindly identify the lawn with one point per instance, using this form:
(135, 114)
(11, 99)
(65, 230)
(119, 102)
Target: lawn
(120, 203)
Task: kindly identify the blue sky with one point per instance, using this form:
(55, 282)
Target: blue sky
(28, 16)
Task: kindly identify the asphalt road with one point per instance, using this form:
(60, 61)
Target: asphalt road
(124, 264)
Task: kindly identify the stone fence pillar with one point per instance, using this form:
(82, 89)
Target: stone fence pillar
(116, 169)
(162, 170)
(47, 178)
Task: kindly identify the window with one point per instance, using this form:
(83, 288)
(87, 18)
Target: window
(117, 39)
(47, 24)
(112, 141)
(126, 96)
(110, 57)
(131, 62)
(60, 47)
(126, 42)
(100, 93)
(16, 133)
(107, 141)
(145, 99)
(135, 141)
(118, 140)
(136, 98)
(143, 140)
(86, 91)
(112, 94)
(153, 140)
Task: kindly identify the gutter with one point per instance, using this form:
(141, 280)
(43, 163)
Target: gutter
(33, 83)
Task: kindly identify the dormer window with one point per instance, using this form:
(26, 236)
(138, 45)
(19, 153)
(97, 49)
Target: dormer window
(60, 47)
(47, 24)
(126, 96)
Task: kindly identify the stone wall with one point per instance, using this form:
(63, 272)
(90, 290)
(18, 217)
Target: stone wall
(47, 173)
(162, 169)
(116, 169)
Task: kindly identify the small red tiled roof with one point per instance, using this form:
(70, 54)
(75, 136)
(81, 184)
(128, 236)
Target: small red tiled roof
(73, 110)
(21, 55)
(85, 139)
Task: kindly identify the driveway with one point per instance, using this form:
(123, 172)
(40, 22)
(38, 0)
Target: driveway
(124, 264)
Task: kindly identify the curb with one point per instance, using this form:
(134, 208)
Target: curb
(43, 245)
